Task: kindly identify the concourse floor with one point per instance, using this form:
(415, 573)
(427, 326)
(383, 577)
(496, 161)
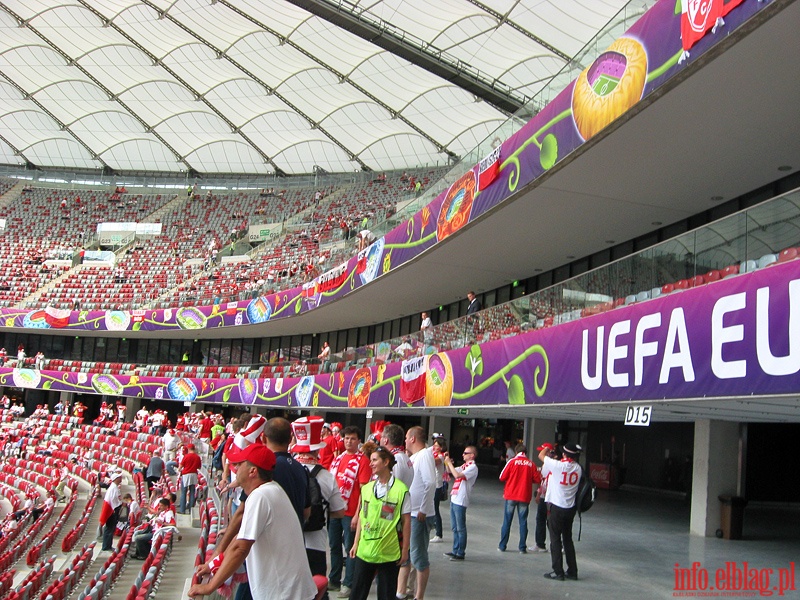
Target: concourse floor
(630, 544)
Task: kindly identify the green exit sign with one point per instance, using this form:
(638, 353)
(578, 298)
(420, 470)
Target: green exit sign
(463, 411)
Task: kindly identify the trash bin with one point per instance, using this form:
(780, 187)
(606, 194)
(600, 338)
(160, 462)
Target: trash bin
(731, 517)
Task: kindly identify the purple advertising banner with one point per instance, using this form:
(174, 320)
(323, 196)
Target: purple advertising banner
(653, 50)
(735, 337)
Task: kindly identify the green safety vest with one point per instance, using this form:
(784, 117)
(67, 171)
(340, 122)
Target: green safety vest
(380, 522)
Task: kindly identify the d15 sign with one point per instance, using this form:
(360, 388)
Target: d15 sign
(638, 415)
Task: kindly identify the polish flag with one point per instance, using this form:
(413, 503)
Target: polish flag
(412, 380)
(698, 16)
(105, 512)
(488, 169)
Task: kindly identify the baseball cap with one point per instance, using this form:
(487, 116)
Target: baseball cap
(115, 474)
(547, 445)
(190, 446)
(257, 454)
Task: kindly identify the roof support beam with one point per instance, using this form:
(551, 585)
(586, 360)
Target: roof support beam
(63, 126)
(343, 78)
(70, 61)
(503, 18)
(417, 51)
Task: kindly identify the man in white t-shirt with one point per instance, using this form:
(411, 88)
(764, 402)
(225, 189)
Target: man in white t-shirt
(140, 420)
(426, 327)
(422, 490)
(270, 539)
(562, 486)
(464, 480)
(171, 441)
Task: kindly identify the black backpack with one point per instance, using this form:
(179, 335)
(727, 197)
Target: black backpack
(317, 518)
(584, 498)
(587, 491)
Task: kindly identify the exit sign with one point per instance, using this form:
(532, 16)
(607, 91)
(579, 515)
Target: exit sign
(463, 411)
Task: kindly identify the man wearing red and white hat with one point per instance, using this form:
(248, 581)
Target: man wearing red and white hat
(109, 514)
(171, 441)
(336, 429)
(234, 451)
(270, 540)
(307, 432)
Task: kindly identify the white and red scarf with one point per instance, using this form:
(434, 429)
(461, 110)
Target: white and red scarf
(346, 478)
(458, 481)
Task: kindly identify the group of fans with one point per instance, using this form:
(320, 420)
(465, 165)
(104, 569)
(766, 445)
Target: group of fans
(372, 504)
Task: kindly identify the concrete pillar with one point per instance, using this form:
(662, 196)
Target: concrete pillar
(438, 423)
(537, 432)
(715, 471)
(132, 406)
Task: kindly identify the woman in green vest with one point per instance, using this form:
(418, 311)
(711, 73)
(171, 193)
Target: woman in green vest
(383, 530)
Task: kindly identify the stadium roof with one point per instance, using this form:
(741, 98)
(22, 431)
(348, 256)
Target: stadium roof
(273, 86)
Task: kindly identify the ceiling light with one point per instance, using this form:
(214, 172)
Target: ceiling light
(716, 198)
(785, 168)
(656, 223)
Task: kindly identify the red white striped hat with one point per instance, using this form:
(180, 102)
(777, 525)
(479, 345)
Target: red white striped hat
(246, 436)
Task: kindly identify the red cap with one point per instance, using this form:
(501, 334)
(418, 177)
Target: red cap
(547, 445)
(257, 454)
(190, 446)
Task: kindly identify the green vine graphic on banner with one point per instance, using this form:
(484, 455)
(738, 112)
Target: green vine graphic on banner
(516, 388)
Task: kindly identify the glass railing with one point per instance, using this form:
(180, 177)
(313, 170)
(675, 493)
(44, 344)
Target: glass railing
(746, 241)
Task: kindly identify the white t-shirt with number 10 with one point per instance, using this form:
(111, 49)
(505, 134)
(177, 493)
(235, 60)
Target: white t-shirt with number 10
(565, 475)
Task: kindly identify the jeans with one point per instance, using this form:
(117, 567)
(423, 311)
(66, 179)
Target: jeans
(458, 521)
(183, 506)
(418, 544)
(559, 522)
(339, 533)
(522, 510)
(541, 524)
(243, 591)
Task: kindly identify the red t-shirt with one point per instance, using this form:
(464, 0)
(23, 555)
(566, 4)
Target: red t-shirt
(191, 463)
(328, 453)
(205, 429)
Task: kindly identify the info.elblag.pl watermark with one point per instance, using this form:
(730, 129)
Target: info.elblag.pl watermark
(733, 579)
